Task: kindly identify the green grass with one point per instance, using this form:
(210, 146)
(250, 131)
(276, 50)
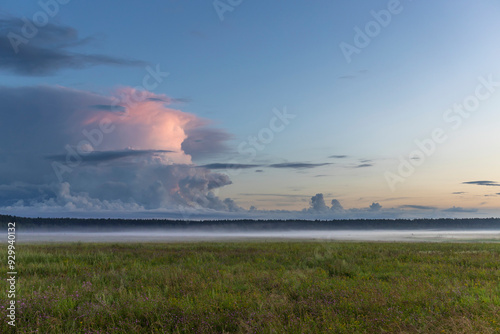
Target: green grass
(256, 287)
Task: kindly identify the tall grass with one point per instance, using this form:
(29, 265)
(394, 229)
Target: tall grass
(256, 287)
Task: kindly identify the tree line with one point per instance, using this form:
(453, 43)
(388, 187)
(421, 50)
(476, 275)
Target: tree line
(23, 223)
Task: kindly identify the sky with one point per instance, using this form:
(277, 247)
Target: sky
(240, 109)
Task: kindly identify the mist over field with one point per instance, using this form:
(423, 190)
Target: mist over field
(209, 235)
(161, 230)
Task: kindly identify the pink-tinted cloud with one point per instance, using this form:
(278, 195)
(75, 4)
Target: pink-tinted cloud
(144, 121)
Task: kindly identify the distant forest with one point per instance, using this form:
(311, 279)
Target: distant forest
(23, 223)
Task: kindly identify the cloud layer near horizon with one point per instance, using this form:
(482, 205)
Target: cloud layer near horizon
(74, 151)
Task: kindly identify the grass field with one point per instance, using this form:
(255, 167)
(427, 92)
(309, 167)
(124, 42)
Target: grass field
(256, 287)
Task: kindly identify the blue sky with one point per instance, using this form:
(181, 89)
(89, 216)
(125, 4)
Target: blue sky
(228, 78)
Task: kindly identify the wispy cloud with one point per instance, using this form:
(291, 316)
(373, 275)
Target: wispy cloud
(229, 166)
(108, 107)
(459, 209)
(274, 195)
(353, 76)
(483, 183)
(345, 77)
(363, 165)
(181, 100)
(170, 100)
(298, 165)
(47, 52)
(395, 198)
(418, 207)
(103, 156)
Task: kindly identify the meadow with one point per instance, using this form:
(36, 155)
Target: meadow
(255, 287)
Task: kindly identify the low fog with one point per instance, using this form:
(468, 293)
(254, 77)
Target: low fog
(181, 235)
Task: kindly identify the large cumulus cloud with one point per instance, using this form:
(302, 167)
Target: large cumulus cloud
(77, 150)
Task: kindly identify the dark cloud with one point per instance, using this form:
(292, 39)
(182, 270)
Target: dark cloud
(375, 207)
(275, 195)
(363, 165)
(29, 114)
(229, 166)
(418, 207)
(109, 107)
(181, 100)
(336, 206)
(458, 193)
(318, 204)
(484, 183)
(157, 99)
(205, 142)
(259, 171)
(140, 186)
(169, 100)
(47, 51)
(338, 156)
(103, 156)
(298, 165)
(22, 191)
(459, 209)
